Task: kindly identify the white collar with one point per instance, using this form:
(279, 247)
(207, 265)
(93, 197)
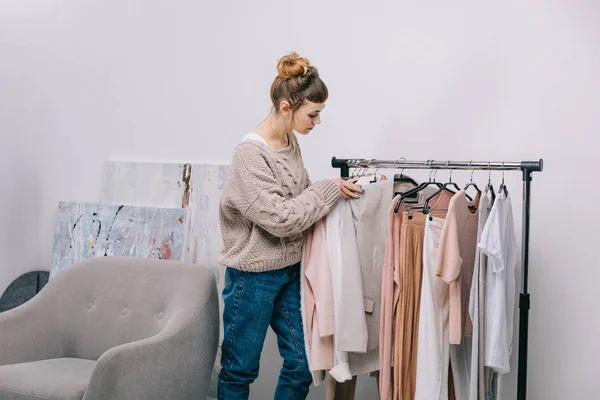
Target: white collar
(254, 136)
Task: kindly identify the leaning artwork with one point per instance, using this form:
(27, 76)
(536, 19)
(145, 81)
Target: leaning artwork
(86, 230)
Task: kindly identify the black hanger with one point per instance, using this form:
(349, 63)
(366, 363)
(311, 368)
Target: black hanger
(404, 178)
(419, 188)
(445, 186)
(401, 178)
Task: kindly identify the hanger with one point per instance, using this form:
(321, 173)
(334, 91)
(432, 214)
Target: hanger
(404, 178)
(357, 169)
(374, 179)
(424, 205)
(489, 187)
(375, 176)
(471, 183)
(445, 186)
(502, 187)
(401, 177)
(364, 173)
(420, 187)
(354, 169)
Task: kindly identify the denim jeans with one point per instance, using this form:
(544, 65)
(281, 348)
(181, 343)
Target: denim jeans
(253, 301)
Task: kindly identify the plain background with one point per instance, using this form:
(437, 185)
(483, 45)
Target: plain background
(82, 82)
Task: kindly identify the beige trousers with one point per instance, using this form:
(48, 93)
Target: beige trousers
(407, 312)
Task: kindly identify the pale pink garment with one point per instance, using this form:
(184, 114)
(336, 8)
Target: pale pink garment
(390, 289)
(455, 261)
(318, 299)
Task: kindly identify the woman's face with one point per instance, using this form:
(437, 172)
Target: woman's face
(307, 116)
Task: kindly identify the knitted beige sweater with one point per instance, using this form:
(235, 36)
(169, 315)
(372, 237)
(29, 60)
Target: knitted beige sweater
(266, 205)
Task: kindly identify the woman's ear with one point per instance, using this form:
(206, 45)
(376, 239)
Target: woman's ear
(284, 109)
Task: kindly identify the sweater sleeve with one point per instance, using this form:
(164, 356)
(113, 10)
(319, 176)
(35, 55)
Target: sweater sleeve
(258, 195)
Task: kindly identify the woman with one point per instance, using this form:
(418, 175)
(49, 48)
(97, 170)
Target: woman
(267, 204)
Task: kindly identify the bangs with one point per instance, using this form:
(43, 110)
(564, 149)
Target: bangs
(317, 92)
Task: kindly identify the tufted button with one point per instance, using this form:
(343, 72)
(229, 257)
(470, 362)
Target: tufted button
(161, 315)
(90, 305)
(124, 311)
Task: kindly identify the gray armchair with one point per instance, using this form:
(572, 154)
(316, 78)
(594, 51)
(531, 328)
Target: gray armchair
(113, 328)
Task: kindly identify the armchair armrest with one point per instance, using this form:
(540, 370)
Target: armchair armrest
(31, 332)
(177, 362)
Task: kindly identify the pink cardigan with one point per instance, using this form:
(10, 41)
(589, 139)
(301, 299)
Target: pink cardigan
(318, 299)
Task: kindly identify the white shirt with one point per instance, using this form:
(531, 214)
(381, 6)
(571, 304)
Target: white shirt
(434, 345)
(254, 136)
(475, 300)
(498, 242)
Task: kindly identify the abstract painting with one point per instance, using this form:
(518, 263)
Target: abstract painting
(85, 230)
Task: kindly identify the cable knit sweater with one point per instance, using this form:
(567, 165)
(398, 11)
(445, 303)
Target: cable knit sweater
(266, 205)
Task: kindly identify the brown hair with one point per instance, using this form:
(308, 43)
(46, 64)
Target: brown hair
(296, 81)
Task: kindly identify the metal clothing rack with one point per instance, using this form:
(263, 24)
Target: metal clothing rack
(527, 168)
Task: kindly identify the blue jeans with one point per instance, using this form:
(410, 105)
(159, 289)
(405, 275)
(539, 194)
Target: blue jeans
(253, 301)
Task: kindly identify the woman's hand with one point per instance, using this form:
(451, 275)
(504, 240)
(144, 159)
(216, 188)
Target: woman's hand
(348, 188)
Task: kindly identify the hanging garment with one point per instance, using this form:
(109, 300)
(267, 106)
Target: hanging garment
(389, 295)
(370, 227)
(460, 361)
(347, 287)
(455, 261)
(318, 299)
(411, 271)
(410, 274)
(491, 384)
(391, 286)
(454, 265)
(433, 352)
(370, 212)
(407, 260)
(477, 308)
(498, 242)
(307, 302)
(451, 394)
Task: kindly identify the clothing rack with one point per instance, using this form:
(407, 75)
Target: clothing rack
(527, 168)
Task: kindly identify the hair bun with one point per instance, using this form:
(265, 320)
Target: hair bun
(292, 65)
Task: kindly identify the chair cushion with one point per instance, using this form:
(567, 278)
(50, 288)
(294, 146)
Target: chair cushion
(56, 379)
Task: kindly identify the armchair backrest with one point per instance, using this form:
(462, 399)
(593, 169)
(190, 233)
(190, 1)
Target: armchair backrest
(108, 301)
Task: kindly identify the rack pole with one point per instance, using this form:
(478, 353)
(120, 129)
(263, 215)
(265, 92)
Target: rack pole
(524, 300)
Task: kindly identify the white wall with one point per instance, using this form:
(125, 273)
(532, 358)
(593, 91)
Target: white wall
(82, 82)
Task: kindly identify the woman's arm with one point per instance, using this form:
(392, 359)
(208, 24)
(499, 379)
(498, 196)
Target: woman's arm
(256, 193)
